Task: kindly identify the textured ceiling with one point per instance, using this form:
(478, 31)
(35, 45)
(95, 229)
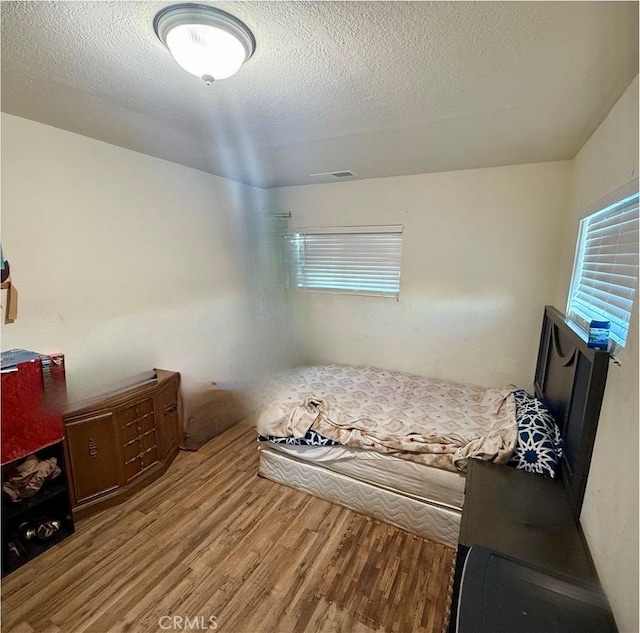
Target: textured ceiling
(379, 88)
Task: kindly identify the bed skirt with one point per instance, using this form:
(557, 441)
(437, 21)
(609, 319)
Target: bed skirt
(429, 520)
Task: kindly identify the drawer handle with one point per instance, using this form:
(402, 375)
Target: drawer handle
(93, 447)
(170, 408)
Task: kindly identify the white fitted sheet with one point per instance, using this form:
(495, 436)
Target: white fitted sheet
(429, 484)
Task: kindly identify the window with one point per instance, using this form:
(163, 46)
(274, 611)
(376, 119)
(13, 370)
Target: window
(350, 259)
(605, 272)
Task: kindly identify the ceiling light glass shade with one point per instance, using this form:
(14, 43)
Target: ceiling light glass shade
(207, 42)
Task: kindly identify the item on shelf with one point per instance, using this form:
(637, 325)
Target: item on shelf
(599, 334)
(26, 479)
(15, 550)
(43, 530)
(27, 533)
(47, 529)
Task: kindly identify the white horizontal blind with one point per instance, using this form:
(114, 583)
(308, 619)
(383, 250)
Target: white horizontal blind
(354, 259)
(606, 268)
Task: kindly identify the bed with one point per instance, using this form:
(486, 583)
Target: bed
(395, 446)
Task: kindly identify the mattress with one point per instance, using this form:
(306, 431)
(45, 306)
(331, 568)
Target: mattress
(433, 521)
(425, 483)
(431, 422)
(402, 441)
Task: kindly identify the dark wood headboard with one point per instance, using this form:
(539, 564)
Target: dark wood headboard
(570, 377)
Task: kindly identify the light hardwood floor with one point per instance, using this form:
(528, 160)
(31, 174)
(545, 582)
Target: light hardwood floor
(211, 539)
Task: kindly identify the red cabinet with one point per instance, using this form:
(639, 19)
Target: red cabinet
(33, 393)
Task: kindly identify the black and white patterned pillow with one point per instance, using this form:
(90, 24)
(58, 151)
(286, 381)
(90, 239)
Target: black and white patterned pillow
(539, 445)
(310, 439)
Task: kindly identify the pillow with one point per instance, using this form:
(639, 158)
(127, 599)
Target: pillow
(539, 445)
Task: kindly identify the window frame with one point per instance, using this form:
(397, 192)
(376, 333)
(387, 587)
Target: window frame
(612, 203)
(296, 262)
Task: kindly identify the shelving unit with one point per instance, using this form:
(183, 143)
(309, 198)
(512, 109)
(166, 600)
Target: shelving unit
(50, 503)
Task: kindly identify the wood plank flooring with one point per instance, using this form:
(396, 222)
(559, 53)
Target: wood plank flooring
(212, 546)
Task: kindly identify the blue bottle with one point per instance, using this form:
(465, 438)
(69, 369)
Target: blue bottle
(599, 334)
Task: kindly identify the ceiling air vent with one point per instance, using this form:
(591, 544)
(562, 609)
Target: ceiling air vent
(345, 173)
(342, 174)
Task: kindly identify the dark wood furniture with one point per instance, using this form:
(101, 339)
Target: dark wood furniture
(120, 442)
(22, 541)
(524, 515)
(530, 518)
(570, 377)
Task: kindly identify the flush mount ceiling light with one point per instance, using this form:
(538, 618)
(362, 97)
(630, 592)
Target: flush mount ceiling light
(207, 42)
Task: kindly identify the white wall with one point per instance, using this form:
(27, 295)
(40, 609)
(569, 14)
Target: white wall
(480, 254)
(126, 262)
(608, 161)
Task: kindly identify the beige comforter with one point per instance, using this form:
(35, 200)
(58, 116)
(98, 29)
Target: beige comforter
(435, 422)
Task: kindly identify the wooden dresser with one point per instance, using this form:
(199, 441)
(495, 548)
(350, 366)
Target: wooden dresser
(120, 442)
